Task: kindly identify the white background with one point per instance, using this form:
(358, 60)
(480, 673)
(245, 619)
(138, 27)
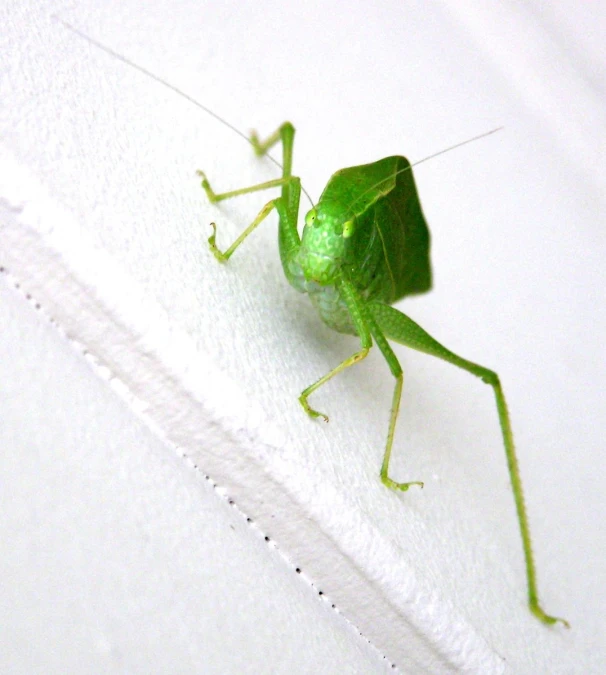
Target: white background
(105, 225)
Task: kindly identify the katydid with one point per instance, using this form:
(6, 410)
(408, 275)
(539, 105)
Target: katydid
(364, 246)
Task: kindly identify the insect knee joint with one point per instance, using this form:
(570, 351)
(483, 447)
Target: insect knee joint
(491, 378)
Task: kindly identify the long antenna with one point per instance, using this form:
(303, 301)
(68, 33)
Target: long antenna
(176, 90)
(208, 111)
(425, 159)
(454, 147)
(141, 69)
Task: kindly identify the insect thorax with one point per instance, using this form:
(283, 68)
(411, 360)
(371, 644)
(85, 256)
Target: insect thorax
(326, 299)
(358, 258)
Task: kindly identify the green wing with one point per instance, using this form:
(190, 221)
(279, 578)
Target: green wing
(405, 235)
(385, 191)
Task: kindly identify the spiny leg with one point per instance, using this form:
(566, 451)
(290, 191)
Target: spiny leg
(291, 188)
(396, 371)
(223, 256)
(353, 305)
(265, 211)
(355, 358)
(402, 329)
(285, 133)
(214, 197)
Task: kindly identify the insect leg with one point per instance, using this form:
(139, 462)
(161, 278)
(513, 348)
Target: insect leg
(223, 256)
(286, 134)
(354, 305)
(396, 371)
(287, 204)
(402, 329)
(215, 197)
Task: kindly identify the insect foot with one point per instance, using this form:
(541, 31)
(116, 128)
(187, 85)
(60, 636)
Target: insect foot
(402, 487)
(210, 193)
(213, 247)
(309, 410)
(546, 618)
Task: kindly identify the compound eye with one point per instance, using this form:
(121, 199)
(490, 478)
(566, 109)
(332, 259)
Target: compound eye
(310, 217)
(348, 229)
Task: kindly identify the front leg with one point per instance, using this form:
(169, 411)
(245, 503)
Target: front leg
(355, 358)
(214, 197)
(286, 134)
(286, 205)
(353, 303)
(224, 256)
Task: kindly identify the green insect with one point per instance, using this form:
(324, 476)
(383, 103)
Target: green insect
(364, 246)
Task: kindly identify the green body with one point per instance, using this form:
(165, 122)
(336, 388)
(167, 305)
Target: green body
(364, 245)
(385, 254)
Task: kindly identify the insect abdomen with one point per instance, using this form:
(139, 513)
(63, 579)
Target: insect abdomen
(332, 308)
